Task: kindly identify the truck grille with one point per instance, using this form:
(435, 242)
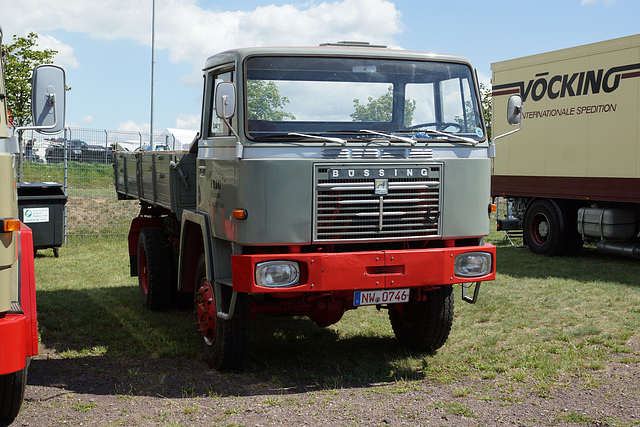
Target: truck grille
(377, 202)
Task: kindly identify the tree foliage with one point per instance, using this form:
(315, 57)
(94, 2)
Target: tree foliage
(485, 99)
(21, 58)
(264, 101)
(381, 109)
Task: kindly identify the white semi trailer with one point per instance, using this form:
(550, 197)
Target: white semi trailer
(572, 173)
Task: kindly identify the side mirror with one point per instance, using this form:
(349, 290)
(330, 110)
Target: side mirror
(48, 98)
(514, 110)
(226, 108)
(225, 100)
(514, 117)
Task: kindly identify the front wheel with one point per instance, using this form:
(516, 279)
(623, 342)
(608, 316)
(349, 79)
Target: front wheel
(424, 325)
(225, 343)
(11, 395)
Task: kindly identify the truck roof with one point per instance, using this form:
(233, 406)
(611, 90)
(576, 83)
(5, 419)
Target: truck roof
(568, 53)
(347, 49)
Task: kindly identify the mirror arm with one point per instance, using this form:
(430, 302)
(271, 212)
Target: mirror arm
(52, 100)
(238, 144)
(492, 147)
(493, 141)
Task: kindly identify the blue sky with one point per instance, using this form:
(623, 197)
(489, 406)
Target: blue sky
(105, 45)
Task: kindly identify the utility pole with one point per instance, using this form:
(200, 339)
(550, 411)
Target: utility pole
(153, 66)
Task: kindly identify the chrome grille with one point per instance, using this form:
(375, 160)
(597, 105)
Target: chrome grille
(377, 153)
(347, 208)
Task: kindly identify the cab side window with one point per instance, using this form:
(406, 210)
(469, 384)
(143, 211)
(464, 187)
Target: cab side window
(217, 126)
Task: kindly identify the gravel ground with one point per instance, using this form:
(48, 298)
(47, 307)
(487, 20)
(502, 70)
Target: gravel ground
(99, 391)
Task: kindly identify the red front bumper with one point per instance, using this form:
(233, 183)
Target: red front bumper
(13, 335)
(328, 272)
(19, 331)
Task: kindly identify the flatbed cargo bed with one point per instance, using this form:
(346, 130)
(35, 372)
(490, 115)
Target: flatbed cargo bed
(164, 179)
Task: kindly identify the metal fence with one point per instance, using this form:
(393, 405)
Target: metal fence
(82, 161)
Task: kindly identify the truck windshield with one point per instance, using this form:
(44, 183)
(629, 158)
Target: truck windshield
(316, 96)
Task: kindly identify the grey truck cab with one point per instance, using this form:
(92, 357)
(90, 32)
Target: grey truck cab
(324, 178)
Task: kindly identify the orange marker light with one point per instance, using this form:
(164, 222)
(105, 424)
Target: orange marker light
(240, 214)
(10, 224)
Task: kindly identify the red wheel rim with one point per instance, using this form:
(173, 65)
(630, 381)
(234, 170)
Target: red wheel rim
(206, 310)
(539, 229)
(144, 272)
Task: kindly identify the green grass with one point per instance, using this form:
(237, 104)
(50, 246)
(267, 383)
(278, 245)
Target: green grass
(541, 319)
(79, 175)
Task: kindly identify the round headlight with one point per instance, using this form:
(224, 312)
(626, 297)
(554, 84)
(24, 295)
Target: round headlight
(277, 274)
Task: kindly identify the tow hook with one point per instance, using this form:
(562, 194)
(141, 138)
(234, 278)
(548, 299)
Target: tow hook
(465, 293)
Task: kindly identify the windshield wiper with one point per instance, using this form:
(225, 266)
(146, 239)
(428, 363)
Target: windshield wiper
(386, 135)
(294, 136)
(272, 136)
(451, 136)
(323, 138)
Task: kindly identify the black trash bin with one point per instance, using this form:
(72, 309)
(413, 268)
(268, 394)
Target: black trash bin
(41, 208)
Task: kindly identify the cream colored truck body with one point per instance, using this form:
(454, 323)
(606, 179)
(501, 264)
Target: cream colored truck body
(18, 325)
(573, 171)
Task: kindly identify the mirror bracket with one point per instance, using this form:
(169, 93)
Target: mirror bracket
(225, 103)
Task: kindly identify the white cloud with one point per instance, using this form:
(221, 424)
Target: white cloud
(87, 119)
(191, 33)
(485, 80)
(131, 126)
(188, 121)
(65, 56)
(592, 2)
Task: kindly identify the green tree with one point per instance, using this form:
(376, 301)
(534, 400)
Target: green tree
(21, 58)
(485, 99)
(264, 101)
(380, 109)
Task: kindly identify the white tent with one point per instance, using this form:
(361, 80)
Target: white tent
(176, 139)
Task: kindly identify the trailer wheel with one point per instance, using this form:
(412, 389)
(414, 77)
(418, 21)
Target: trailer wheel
(154, 269)
(12, 394)
(542, 229)
(225, 343)
(424, 325)
(573, 237)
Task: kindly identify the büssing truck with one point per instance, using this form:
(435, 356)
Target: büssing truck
(572, 174)
(322, 179)
(18, 322)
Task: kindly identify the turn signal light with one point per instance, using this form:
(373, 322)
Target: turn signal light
(240, 214)
(10, 224)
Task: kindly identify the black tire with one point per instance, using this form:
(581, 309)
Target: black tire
(542, 229)
(154, 269)
(225, 343)
(424, 325)
(11, 395)
(572, 236)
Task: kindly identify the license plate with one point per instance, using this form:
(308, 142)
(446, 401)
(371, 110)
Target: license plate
(390, 296)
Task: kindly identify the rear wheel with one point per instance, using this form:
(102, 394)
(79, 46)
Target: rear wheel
(11, 395)
(424, 325)
(542, 229)
(155, 270)
(225, 343)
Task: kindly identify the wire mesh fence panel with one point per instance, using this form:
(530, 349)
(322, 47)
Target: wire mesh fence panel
(82, 161)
